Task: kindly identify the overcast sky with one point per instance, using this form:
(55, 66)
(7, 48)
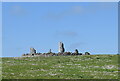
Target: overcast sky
(86, 26)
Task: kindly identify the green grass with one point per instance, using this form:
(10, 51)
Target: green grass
(61, 67)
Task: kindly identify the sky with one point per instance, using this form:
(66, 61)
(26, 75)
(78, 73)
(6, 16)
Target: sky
(60, 0)
(1, 29)
(86, 26)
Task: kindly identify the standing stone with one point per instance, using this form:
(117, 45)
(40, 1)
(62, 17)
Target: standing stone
(87, 53)
(61, 47)
(23, 54)
(50, 51)
(76, 52)
(80, 53)
(32, 51)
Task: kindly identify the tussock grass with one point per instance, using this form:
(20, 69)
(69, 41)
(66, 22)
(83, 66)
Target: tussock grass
(61, 67)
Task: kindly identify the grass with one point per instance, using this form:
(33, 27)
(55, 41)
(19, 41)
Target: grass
(61, 67)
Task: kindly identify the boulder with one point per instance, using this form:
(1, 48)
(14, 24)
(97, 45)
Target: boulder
(87, 53)
(32, 51)
(76, 52)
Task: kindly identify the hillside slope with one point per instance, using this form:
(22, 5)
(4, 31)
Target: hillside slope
(61, 67)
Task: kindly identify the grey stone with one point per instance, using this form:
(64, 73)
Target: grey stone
(87, 53)
(80, 53)
(61, 47)
(32, 51)
(50, 51)
(76, 52)
(23, 54)
(67, 53)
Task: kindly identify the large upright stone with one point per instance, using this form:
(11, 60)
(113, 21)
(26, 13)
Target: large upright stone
(32, 51)
(50, 51)
(76, 52)
(61, 47)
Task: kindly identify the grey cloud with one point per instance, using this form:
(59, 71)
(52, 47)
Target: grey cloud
(67, 34)
(75, 45)
(77, 9)
(57, 16)
(17, 10)
(74, 10)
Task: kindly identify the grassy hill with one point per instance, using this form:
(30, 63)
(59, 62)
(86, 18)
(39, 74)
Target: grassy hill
(61, 67)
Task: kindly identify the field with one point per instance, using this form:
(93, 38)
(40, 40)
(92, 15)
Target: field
(61, 67)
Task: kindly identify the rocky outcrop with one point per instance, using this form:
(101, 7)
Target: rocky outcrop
(50, 53)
